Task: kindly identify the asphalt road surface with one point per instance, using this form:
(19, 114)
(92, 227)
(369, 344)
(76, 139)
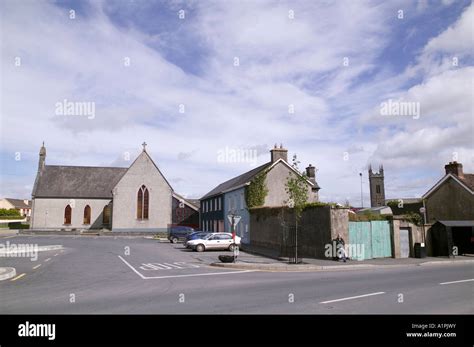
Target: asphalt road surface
(137, 275)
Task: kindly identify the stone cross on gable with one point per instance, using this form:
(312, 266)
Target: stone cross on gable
(144, 146)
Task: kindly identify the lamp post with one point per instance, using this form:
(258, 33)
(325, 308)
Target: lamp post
(422, 211)
(361, 195)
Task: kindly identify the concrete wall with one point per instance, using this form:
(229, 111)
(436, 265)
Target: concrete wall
(235, 201)
(318, 226)
(275, 182)
(48, 213)
(124, 214)
(415, 234)
(449, 202)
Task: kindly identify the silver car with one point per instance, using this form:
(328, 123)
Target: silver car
(214, 241)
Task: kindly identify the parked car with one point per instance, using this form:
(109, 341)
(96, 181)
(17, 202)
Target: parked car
(195, 235)
(214, 241)
(179, 233)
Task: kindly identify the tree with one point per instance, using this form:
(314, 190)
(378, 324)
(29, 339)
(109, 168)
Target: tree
(297, 189)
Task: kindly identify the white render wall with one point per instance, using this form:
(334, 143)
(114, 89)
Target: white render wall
(48, 213)
(124, 215)
(276, 181)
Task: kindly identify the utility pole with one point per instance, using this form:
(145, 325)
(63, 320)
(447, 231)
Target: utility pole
(361, 193)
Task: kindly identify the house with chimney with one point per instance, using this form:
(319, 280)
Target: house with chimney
(449, 209)
(230, 197)
(23, 206)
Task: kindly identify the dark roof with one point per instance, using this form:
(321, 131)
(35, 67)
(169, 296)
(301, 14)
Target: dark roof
(406, 200)
(236, 181)
(77, 181)
(468, 180)
(19, 203)
(457, 223)
(190, 202)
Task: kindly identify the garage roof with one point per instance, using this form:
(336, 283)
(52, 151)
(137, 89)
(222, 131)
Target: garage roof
(457, 223)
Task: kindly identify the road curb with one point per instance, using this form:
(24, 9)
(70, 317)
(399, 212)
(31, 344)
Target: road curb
(309, 267)
(7, 272)
(464, 261)
(289, 268)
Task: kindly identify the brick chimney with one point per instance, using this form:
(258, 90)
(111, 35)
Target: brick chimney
(455, 168)
(311, 173)
(277, 153)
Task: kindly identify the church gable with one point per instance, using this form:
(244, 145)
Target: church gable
(142, 199)
(143, 168)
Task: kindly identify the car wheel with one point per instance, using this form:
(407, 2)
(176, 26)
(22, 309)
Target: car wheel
(231, 248)
(174, 240)
(200, 248)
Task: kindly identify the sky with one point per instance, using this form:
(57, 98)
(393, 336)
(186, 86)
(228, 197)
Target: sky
(212, 86)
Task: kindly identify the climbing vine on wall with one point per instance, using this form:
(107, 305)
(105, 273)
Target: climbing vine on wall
(256, 191)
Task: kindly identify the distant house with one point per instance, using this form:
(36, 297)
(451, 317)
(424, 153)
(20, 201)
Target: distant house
(381, 210)
(230, 196)
(185, 211)
(22, 206)
(452, 197)
(403, 206)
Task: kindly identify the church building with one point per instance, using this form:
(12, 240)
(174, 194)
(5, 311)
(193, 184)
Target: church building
(137, 198)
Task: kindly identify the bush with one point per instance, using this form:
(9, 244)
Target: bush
(368, 216)
(9, 213)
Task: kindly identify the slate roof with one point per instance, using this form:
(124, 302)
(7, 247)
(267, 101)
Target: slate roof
(19, 203)
(468, 180)
(77, 181)
(236, 181)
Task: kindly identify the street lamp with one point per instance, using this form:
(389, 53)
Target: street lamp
(422, 211)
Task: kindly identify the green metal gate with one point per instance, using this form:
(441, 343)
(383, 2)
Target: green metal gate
(373, 236)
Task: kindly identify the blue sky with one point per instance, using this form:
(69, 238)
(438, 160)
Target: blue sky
(334, 62)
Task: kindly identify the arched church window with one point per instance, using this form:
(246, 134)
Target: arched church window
(87, 215)
(67, 215)
(142, 202)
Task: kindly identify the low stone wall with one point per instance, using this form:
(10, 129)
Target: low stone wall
(270, 227)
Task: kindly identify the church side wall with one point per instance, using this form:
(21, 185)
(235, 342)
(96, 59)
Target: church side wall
(124, 215)
(48, 213)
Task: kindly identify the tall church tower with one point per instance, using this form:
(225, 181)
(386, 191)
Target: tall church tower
(377, 187)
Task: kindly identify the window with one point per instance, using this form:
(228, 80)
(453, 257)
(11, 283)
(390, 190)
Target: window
(106, 215)
(142, 203)
(87, 215)
(219, 204)
(377, 189)
(67, 215)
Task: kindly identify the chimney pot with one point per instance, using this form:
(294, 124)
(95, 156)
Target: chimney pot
(279, 153)
(455, 168)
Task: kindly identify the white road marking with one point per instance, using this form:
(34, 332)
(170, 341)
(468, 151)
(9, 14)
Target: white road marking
(131, 267)
(56, 254)
(177, 276)
(469, 280)
(37, 266)
(182, 263)
(173, 265)
(46, 260)
(351, 297)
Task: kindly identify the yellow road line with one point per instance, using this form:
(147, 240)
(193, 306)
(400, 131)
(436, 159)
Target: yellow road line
(37, 266)
(18, 277)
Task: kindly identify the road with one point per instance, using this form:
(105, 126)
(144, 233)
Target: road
(137, 275)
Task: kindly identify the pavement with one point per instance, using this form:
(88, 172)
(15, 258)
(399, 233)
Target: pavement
(134, 275)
